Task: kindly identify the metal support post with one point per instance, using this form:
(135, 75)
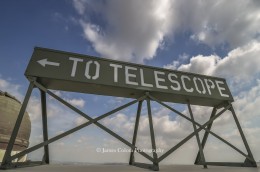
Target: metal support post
(252, 162)
(191, 135)
(138, 114)
(45, 127)
(7, 157)
(197, 137)
(155, 163)
(206, 134)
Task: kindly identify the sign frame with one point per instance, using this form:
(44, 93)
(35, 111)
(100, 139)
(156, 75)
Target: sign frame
(217, 111)
(59, 70)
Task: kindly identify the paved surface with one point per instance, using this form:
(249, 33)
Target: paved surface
(127, 168)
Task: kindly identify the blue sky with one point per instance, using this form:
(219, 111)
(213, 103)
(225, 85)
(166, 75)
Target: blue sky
(216, 38)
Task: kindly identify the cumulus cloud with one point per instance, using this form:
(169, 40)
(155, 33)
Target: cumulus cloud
(241, 69)
(11, 88)
(213, 22)
(176, 63)
(248, 103)
(240, 66)
(80, 120)
(134, 30)
(168, 130)
(76, 102)
(79, 5)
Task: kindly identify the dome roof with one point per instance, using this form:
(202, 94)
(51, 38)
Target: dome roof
(9, 110)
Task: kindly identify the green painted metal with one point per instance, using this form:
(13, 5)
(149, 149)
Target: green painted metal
(249, 162)
(205, 137)
(146, 166)
(138, 114)
(174, 148)
(82, 73)
(91, 121)
(202, 157)
(45, 127)
(199, 129)
(150, 118)
(231, 164)
(242, 135)
(51, 69)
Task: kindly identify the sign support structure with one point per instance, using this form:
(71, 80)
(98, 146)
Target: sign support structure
(200, 159)
(216, 96)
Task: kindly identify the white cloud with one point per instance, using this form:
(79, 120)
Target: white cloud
(13, 89)
(176, 63)
(76, 102)
(120, 122)
(80, 120)
(134, 30)
(242, 63)
(168, 130)
(201, 64)
(34, 108)
(219, 22)
(79, 5)
(165, 128)
(247, 109)
(248, 104)
(240, 66)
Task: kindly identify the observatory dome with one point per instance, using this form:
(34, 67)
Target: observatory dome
(9, 110)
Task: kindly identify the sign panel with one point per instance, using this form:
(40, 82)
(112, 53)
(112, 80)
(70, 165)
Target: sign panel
(82, 73)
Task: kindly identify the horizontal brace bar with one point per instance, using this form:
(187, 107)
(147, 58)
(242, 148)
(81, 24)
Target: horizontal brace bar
(143, 165)
(95, 121)
(82, 113)
(146, 166)
(22, 164)
(231, 164)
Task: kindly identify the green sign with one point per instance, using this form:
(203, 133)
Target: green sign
(82, 73)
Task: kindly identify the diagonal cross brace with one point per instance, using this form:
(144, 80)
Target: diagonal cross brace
(241, 133)
(138, 114)
(198, 130)
(155, 163)
(9, 158)
(45, 127)
(91, 121)
(206, 134)
(197, 136)
(190, 136)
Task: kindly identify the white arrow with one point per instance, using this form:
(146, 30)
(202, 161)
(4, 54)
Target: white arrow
(45, 62)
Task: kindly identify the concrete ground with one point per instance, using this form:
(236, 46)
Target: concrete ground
(127, 168)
